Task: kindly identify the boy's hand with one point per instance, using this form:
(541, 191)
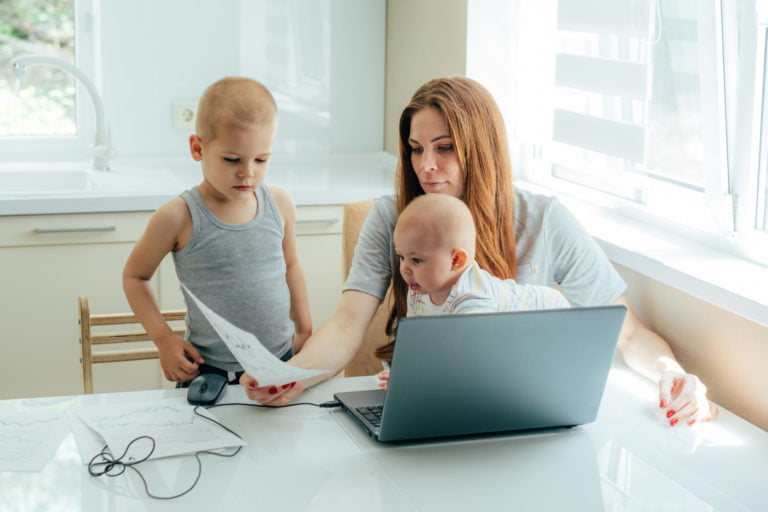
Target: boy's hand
(179, 359)
(270, 395)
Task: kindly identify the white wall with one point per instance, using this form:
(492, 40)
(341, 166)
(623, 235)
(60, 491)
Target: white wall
(323, 60)
(726, 351)
(425, 39)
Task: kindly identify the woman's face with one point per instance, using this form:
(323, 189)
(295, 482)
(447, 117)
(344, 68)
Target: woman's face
(433, 155)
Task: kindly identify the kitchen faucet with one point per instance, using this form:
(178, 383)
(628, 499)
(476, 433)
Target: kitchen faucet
(102, 146)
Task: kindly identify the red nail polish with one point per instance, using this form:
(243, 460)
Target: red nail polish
(293, 384)
(285, 386)
(272, 391)
(662, 404)
(673, 421)
(252, 385)
(691, 421)
(670, 413)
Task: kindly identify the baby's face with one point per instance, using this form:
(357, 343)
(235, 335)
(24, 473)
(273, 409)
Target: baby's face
(424, 265)
(235, 161)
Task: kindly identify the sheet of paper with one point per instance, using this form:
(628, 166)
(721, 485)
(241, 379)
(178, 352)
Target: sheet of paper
(88, 441)
(171, 422)
(29, 439)
(256, 360)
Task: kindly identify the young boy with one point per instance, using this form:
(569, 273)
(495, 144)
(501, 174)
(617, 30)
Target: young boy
(232, 240)
(435, 242)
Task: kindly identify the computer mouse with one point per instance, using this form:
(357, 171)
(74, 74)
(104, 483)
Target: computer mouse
(206, 389)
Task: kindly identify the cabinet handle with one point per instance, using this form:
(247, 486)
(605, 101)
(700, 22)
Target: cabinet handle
(325, 220)
(42, 231)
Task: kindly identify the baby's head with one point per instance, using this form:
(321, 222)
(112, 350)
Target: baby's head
(435, 242)
(235, 103)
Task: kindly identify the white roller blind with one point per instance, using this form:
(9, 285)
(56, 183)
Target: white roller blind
(603, 70)
(619, 17)
(614, 138)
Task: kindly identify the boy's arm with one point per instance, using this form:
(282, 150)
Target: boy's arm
(294, 275)
(160, 237)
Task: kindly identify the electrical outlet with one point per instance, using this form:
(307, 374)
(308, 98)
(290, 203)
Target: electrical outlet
(184, 114)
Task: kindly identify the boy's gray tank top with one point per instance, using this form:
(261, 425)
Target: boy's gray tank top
(237, 270)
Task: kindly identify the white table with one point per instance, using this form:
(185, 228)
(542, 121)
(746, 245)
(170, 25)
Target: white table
(305, 458)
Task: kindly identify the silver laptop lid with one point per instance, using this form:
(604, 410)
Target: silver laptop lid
(470, 374)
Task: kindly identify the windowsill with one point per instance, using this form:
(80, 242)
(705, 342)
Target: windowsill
(715, 276)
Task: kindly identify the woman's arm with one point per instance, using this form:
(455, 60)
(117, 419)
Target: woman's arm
(331, 348)
(681, 395)
(334, 345)
(587, 278)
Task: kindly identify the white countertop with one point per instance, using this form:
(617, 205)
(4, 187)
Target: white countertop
(308, 459)
(33, 188)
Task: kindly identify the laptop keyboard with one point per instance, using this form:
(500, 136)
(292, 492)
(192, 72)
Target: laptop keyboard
(372, 414)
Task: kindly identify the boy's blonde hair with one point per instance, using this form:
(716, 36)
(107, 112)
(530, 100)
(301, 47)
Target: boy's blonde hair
(234, 102)
(441, 220)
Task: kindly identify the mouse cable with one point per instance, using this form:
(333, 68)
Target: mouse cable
(322, 405)
(109, 466)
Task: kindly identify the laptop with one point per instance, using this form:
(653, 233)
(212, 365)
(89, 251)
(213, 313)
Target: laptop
(459, 375)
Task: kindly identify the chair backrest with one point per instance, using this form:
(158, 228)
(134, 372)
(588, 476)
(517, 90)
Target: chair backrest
(365, 361)
(88, 339)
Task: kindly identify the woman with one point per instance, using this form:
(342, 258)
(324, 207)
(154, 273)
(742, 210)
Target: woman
(453, 141)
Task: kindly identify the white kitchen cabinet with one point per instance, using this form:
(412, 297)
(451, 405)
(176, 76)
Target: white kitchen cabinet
(318, 238)
(47, 261)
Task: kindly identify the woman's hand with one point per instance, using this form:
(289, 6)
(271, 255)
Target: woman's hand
(683, 397)
(270, 395)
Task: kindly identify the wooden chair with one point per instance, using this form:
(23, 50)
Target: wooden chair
(365, 361)
(88, 339)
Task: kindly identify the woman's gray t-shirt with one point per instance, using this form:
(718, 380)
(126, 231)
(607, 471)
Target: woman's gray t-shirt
(552, 249)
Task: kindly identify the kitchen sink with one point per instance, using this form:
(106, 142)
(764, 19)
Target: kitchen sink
(45, 181)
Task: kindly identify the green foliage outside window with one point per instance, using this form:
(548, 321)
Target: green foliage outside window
(46, 103)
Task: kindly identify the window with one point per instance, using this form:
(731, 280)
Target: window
(42, 115)
(638, 107)
(46, 105)
(655, 109)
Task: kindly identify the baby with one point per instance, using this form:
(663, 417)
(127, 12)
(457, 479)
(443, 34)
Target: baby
(435, 242)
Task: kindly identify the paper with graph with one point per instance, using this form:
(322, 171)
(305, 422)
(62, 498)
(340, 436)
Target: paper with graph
(29, 438)
(257, 361)
(172, 423)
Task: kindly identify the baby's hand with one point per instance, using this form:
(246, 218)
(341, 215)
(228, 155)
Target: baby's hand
(384, 378)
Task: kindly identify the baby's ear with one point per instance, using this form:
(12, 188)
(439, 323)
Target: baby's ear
(458, 259)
